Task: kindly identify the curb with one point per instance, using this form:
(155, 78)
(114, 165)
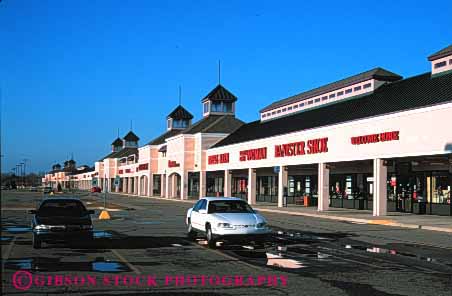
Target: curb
(363, 221)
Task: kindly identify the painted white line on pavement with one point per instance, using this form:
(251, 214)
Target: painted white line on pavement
(124, 260)
(218, 252)
(8, 250)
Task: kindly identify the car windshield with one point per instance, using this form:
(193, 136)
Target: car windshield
(229, 206)
(61, 208)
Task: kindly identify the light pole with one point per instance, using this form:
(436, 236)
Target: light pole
(25, 173)
(22, 165)
(18, 172)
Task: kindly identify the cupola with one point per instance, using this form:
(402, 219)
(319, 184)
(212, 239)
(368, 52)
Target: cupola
(116, 145)
(441, 61)
(130, 140)
(219, 101)
(179, 118)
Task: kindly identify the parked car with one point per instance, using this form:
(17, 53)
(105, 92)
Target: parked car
(47, 190)
(227, 219)
(33, 189)
(96, 189)
(61, 220)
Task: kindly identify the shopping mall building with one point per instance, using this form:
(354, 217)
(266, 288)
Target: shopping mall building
(373, 141)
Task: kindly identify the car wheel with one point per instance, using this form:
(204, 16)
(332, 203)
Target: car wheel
(191, 233)
(210, 239)
(36, 242)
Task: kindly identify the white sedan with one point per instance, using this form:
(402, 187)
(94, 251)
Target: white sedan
(226, 218)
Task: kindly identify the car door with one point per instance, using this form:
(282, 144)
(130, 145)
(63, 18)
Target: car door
(195, 215)
(202, 216)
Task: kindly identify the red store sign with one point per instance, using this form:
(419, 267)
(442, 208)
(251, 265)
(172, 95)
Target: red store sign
(121, 171)
(301, 148)
(143, 167)
(375, 138)
(253, 154)
(127, 170)
(173, 164)
(219, 158)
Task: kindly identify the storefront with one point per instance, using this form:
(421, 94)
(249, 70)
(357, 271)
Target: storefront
(377, 149)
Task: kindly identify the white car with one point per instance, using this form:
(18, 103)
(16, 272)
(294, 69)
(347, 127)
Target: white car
(226, 218)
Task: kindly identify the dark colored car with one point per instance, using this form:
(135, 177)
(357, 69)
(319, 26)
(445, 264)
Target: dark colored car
(61, 220)
(96, 189)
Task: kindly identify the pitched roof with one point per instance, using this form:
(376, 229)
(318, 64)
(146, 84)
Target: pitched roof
(131, 137)
(180, 113)
(117, 142)
(161, 139)
(215, 124)
(415, 92)
(210, 124)
(376, 73)
(122, 153)
(442, 53)
(219, 93)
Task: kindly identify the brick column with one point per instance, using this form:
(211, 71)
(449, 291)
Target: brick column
(282, 182)
(227, 183)
(380, 201)
(323, 187)
(252, 186)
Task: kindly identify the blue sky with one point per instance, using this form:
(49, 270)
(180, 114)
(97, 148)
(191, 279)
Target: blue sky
(73, 72)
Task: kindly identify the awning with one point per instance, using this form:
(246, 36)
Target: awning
(162, 149)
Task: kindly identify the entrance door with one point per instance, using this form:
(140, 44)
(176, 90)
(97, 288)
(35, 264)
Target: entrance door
(406, 185)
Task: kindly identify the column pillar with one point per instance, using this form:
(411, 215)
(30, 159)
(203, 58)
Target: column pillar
(130, 185)
(380, 201)
(184, 186)
(162, 185)
(202, 184)
(150, 185)
(323, 187)
(227, 183)
(168, 187)
(124, 185)
(252, 186)
(282, 182)
(135, 185)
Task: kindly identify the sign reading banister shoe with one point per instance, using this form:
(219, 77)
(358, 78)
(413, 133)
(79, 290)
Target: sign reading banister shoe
(299, 148)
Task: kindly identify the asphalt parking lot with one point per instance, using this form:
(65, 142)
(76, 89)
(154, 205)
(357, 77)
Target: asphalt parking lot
(144, 250)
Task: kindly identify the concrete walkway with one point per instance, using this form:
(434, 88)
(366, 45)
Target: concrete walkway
(405, 220)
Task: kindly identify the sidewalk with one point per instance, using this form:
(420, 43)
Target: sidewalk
(405, 220)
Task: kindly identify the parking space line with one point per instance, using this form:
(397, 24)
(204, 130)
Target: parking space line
(8, 250)
(218, 252)
(124, 260)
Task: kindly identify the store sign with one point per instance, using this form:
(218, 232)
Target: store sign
(127, 170)
(301, 148)
(121, 171)
(143, 167)
(375, 138)
(173, 164)
(253, 154)
(218, 158)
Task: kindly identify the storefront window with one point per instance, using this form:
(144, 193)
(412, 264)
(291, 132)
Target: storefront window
(215, 185)
(440, 189)
(193, 184)
(239, 187)
(157, 182)
(267, 189)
